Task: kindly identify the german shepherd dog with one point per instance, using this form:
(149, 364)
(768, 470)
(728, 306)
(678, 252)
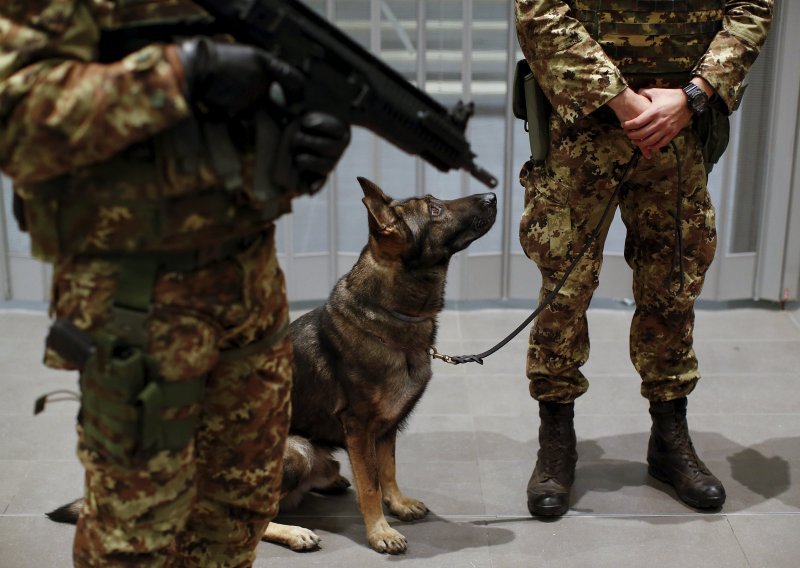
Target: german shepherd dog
(361, 360)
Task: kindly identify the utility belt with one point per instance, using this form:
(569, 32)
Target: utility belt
(129, 412)
(531, 105)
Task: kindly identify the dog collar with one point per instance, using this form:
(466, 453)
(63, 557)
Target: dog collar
(409, 319)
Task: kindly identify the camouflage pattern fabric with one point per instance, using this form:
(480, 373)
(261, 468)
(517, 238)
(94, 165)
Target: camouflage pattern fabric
(108, 156)
(90, 112)
(99, 153)
(208, 504)
(579, 77)
(565, 196)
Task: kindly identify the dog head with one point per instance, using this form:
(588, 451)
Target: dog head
(425, 231)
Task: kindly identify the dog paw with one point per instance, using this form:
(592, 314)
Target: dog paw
(303, 539)
(387, 540)
(298, 539)
(407, 509)
(336, 487)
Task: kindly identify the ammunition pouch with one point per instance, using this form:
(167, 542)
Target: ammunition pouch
(530, 104)
(128, 412)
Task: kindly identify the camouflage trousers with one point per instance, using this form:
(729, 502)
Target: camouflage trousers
(565, 197)
(209, 503)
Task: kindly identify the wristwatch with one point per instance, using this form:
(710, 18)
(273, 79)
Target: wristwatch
(697, 99)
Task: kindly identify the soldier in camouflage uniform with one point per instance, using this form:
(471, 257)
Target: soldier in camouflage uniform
(134, 155)
(614, 72)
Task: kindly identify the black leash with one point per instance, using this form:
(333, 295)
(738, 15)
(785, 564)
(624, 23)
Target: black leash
(459, 359)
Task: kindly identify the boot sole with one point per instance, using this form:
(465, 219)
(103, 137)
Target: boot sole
(548, 511)
(707, 504)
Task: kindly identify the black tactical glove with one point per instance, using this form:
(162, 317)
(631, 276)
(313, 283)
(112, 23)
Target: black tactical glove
(230, 78)
(317, 146)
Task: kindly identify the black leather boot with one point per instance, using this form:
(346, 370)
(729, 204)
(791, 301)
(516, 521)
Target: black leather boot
(552, 478)
(672, 459)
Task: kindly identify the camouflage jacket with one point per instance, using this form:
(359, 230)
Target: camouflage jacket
(100, 141)
(59, 108)
(579, 77)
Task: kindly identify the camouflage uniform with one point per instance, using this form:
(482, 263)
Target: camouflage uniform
(98, 152)
(584, 53)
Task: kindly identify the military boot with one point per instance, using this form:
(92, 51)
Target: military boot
(672, 459)
(551, 481)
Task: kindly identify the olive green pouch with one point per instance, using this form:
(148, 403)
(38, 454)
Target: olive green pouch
(528, 103)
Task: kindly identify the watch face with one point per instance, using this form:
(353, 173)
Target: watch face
(697, 99)
(699, 102)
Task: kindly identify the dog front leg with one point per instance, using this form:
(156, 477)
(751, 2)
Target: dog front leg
(363, 459)
(405, 508)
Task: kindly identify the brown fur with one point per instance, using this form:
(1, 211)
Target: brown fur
(362, 362)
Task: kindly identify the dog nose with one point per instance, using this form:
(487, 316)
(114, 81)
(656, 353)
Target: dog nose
(489, 199)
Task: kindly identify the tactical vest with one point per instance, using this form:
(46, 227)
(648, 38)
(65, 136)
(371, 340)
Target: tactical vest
(652, 42)
(184, 189)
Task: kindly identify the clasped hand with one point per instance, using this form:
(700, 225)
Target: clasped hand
(651, 118)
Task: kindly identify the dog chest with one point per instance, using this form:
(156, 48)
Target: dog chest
(401, 386)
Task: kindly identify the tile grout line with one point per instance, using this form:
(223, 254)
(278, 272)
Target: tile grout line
(511, 518)
(738, 542)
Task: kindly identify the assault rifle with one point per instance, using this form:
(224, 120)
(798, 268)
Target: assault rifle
(345, 80)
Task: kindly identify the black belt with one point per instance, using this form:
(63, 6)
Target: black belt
(186, 261)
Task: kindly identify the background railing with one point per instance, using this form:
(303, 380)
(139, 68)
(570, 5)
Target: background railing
(466, 49)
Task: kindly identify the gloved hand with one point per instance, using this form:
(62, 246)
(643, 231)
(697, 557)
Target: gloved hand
(317, 147)
(228, 79)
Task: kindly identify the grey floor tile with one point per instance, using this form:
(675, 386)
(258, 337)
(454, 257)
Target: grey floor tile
(43, 437)
(749, 357)
(504, 438)
(23, 326)
(768, 541)
(431, 542)
(611, 325)
(795, 317)
(488, 325)
(585, 542)
(12, 476)
(48, 485)
(747, 324)
(448, 488)
(449, 438)
(20, 391)
(469, 448)
(755, 393)
(499, 395)
(446, 394)
(37, 542)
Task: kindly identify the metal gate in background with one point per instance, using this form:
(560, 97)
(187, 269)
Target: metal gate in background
(466, 50)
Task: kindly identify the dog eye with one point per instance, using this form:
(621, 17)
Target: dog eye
(434, 209)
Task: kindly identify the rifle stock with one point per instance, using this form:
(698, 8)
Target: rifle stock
(345, 80)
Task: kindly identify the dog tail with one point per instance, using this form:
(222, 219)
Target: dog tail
(67, 513)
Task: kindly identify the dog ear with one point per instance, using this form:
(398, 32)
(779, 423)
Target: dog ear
(381, 216)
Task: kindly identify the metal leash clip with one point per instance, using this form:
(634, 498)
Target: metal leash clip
(446, 358)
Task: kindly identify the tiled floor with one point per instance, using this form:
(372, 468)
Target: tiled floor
(469, 449)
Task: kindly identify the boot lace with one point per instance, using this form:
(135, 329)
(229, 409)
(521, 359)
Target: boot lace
(554, 449)
(683, 443)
